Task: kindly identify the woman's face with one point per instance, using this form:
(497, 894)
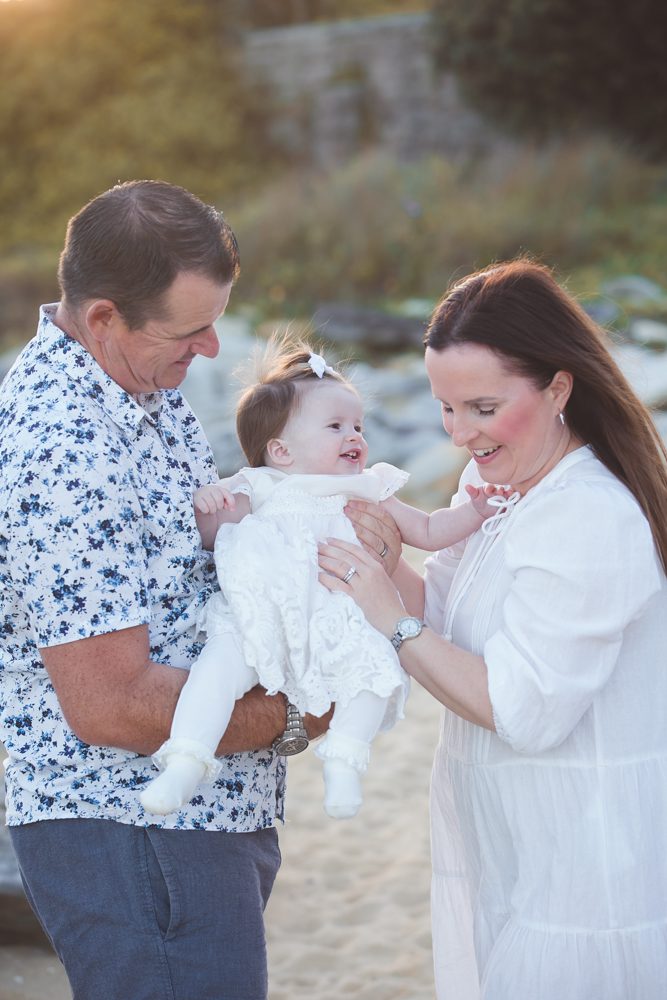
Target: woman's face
(511, 428)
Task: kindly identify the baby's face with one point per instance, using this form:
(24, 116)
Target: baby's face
(325, 433)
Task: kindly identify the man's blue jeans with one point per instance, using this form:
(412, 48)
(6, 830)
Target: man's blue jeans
(145, 914)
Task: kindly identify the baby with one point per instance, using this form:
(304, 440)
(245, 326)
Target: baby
(272, 623)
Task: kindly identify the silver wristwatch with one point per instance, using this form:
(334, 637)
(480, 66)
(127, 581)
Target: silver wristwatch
(406, 628)
(295, 738)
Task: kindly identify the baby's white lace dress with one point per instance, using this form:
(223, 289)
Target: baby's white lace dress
(315, 646)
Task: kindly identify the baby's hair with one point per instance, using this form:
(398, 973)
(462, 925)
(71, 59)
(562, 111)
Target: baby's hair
(275, 379)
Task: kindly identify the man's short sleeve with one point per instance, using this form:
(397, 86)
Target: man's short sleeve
(75, 547)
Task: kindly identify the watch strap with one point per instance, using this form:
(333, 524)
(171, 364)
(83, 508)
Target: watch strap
(294, 738)
(414, 629)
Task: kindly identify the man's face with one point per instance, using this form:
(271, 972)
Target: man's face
(157, 355)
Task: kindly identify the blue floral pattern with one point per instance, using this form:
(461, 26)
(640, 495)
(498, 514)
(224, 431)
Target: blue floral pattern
(97, 534)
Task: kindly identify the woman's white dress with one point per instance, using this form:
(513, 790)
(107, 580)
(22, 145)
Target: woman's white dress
(315, 646)
(550, 835)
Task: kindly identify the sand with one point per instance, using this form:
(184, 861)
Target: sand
(349, 914)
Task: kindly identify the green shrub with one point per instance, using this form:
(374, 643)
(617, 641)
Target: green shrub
(541, 67)
(377, 230)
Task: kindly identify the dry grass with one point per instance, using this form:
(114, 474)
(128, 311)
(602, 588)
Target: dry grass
(377, 230)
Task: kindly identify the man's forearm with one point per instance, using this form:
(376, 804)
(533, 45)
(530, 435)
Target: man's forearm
(259, 717)
(111, 694)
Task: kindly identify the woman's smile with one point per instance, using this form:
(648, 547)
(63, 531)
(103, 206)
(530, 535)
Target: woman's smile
(484, 455)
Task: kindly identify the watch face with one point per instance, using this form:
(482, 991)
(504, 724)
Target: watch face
(289, 745)
(409, 627)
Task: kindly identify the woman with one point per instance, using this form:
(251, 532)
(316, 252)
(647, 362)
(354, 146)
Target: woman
(547, 646)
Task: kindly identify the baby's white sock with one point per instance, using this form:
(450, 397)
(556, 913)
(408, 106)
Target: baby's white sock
(175, 786)
(342, 789)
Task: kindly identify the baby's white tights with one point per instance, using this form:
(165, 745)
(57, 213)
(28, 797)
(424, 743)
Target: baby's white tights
(218, 677)
(345, 751)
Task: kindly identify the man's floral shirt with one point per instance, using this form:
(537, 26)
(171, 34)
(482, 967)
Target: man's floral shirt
(97, 534)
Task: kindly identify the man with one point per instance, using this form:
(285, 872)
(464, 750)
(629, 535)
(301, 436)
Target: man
(101, 579)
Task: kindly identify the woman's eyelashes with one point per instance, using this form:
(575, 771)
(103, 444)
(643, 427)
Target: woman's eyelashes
(480, 410)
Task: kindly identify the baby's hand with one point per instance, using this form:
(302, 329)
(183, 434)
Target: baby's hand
(479, 496)
(212, 498)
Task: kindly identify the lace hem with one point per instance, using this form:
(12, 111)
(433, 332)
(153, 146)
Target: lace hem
(392, 479)
(336, 746)
(187, 748)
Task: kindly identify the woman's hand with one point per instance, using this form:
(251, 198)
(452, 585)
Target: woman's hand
(458, 679)
(377, 531)
(352, 570)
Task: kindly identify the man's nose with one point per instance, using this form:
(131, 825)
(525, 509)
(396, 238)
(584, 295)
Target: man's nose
(207, 343)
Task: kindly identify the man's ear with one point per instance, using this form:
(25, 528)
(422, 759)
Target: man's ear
(279, 454)
(101, 317)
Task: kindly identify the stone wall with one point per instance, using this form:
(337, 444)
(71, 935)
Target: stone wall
(340, 87)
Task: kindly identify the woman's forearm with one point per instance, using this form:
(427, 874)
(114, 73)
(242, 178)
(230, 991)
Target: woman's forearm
(410, 586)
(458, 679)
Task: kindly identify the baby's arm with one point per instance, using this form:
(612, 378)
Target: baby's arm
(215, 504)
(448, 525)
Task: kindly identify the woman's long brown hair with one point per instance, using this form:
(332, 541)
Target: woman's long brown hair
(520, 312)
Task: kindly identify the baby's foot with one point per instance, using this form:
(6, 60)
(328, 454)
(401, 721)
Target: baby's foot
(174, 787)
(342, 789)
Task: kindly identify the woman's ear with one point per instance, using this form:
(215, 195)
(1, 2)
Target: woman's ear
(561, 387)
(278, 454)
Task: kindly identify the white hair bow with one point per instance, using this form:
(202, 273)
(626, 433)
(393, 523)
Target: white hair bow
(319, 365)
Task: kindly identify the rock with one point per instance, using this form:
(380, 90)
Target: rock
(646, 372)
(648, 332)
(605, 312)
(18, 924)
(660, 421)
(7, 359)
(634, 290)
(434, 474)
(370, 329)
(416, 308)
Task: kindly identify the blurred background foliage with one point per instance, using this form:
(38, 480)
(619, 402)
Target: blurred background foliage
(376, 229)
(93, 92)
(545, 66)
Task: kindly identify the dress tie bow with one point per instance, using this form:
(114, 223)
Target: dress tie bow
(505, 506)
